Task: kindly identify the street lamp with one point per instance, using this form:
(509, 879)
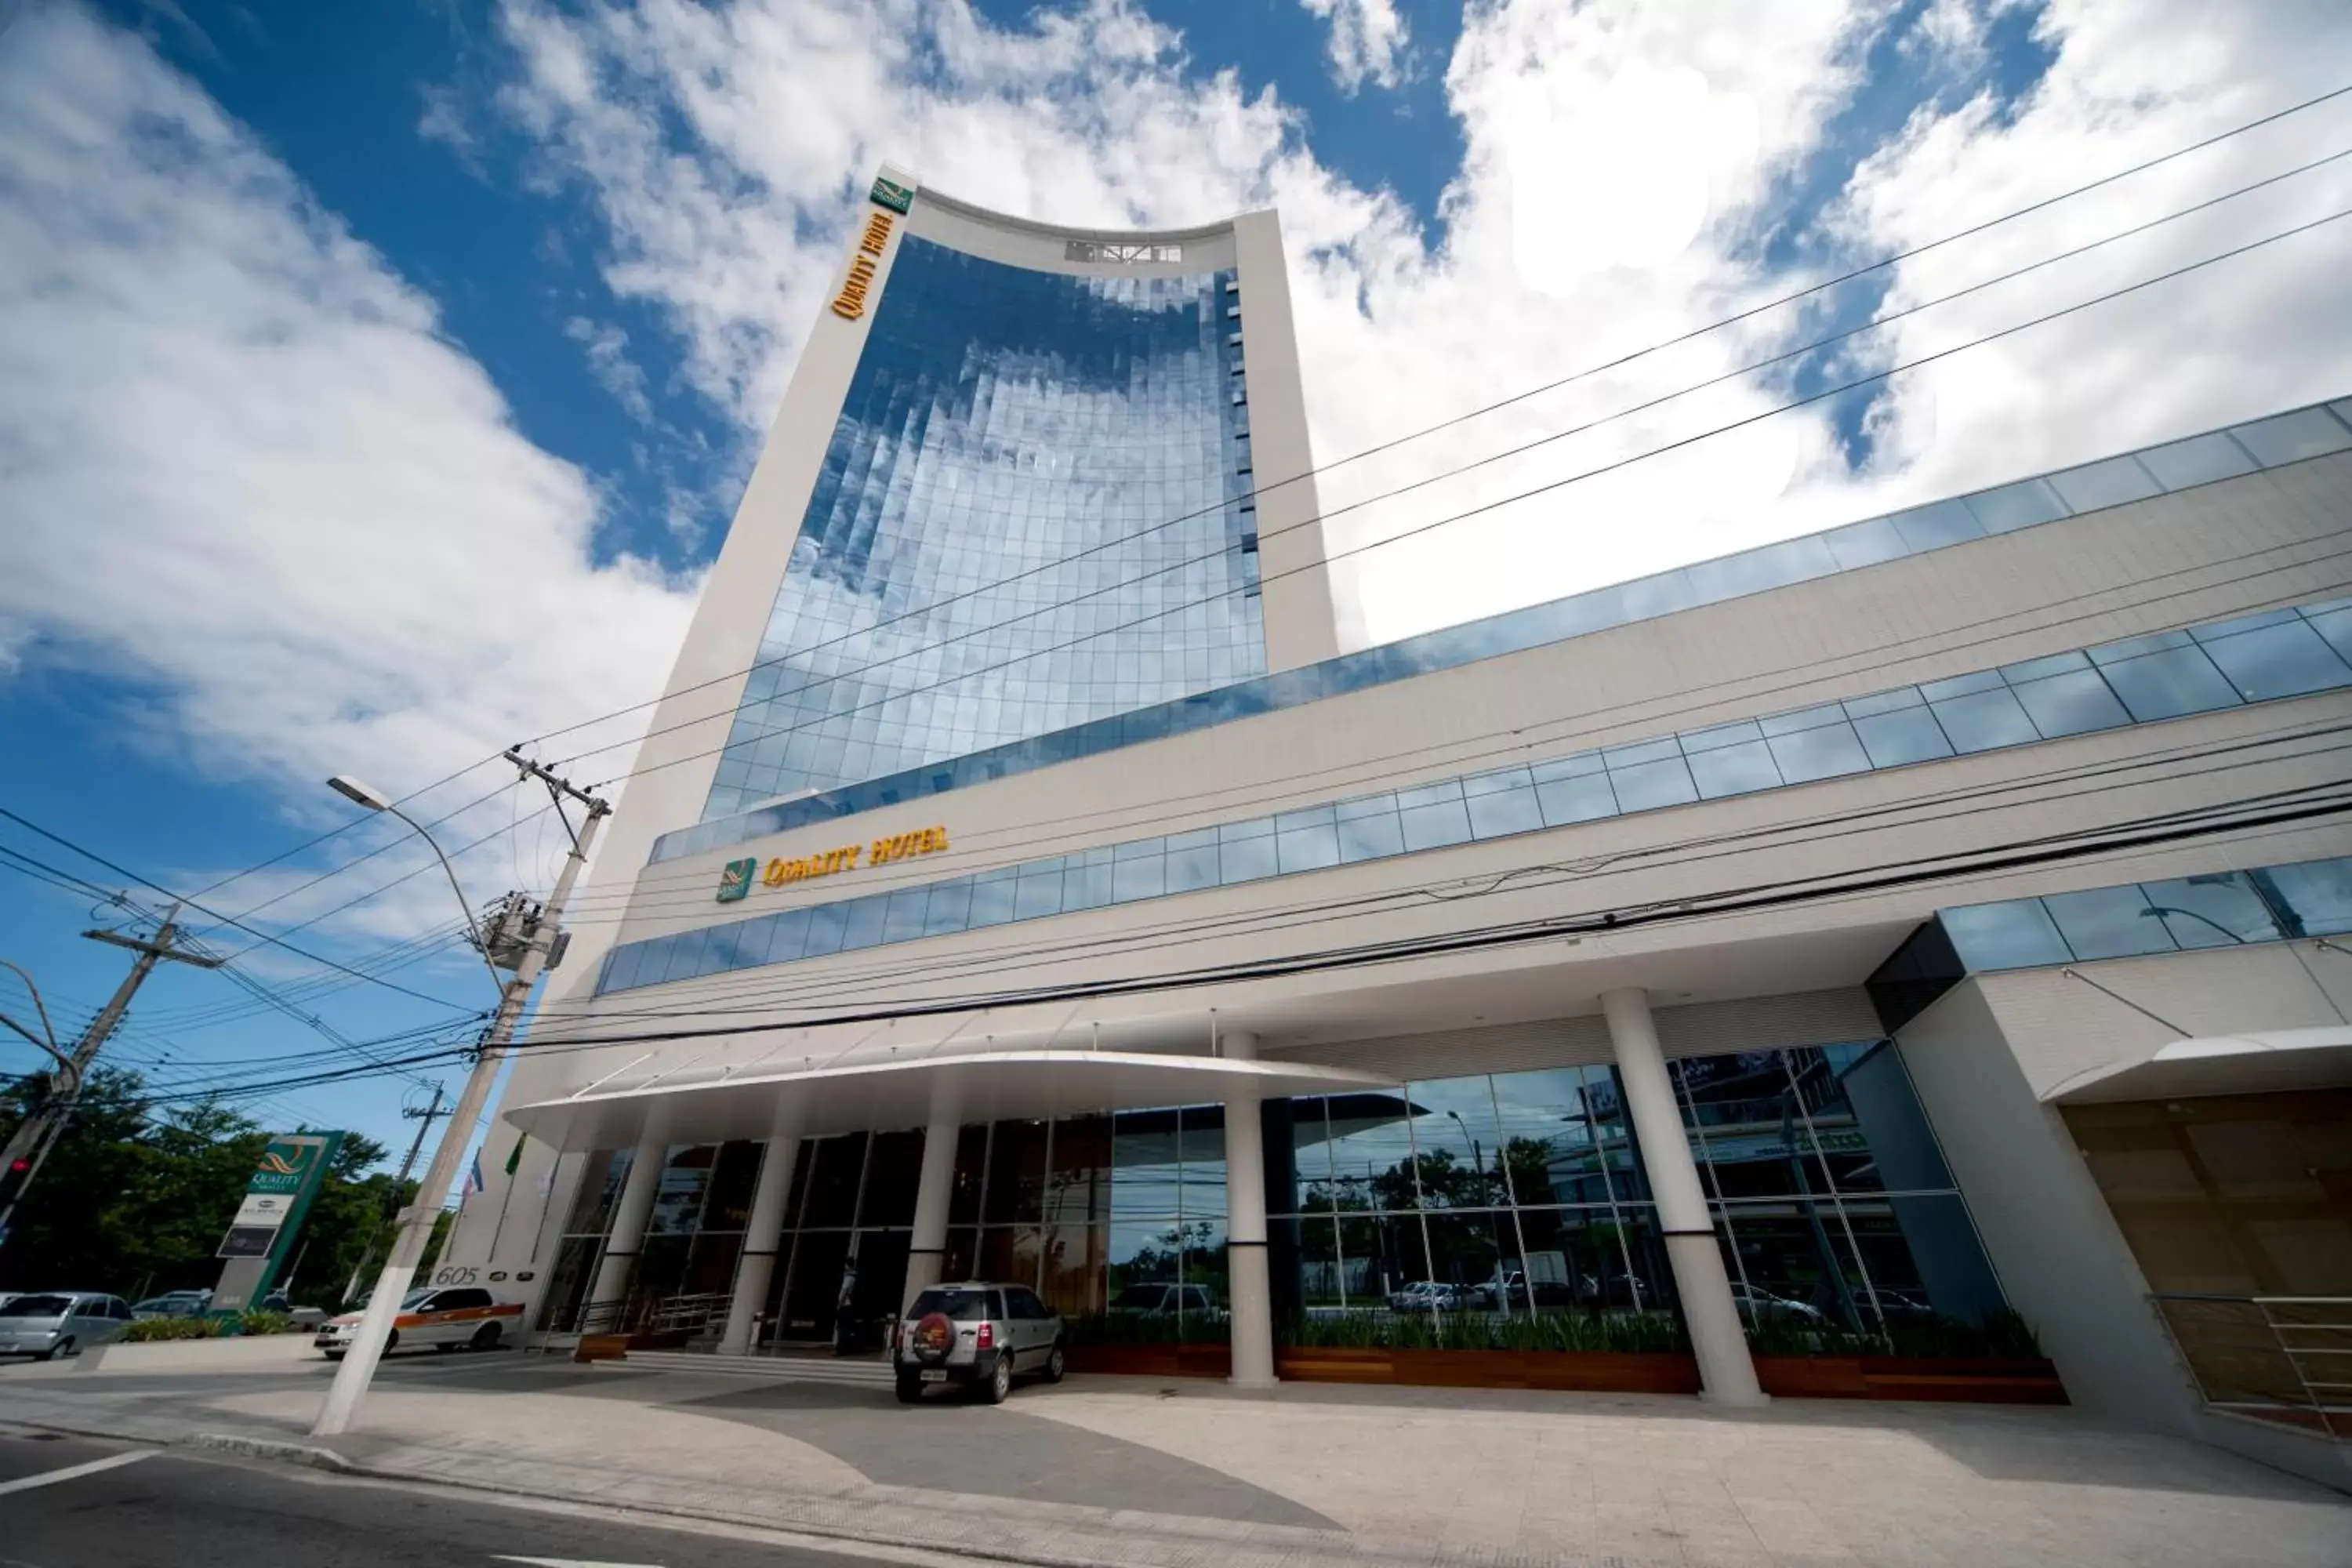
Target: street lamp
(373, 799)
(416, 1222)
(2158, 912)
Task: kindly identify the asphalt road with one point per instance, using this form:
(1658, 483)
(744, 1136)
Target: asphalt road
(70, 1503)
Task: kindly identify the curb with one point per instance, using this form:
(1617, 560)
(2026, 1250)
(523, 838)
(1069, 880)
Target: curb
(318, 1458)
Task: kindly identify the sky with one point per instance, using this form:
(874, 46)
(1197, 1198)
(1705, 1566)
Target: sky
(377, 383)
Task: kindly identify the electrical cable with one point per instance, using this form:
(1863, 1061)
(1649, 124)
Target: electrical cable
(1544, 488)
(1622, 360)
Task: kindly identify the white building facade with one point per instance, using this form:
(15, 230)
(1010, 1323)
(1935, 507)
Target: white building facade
(1915, 945)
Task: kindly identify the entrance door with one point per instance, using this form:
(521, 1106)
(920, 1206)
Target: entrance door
(880, 1287)
(815, 1287)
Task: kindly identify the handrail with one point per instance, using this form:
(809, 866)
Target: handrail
(2264, 1365)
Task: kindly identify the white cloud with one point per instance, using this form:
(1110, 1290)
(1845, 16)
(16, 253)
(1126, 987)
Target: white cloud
(607, 347)
(1367, 41)
(243, 469)
(1626, 166)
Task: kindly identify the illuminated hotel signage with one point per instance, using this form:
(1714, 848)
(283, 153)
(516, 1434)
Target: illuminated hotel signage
(850, 303)
(735, 881)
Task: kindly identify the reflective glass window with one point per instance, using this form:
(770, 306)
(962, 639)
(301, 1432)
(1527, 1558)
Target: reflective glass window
(994, 897)
(902, 919)
(2109, 483)
(2025, 504)
(2333, 621)
(1502, 804)
(1828, 752)
(949, 910)
(1192, 860)
(2070, 703)
(1433, 816)
(621, 974)
(1733, 770)
(2108, 922)
(1086, 879)
(1138, 870)
(2288, 438)
(862, 922)
(920, 538)
(2199, 460)
(1865, 543)
(1306, 840)
(1371, 832)
(2281, 658)
(824, 930)
(2222, 909)
(1901, 735)
(1567, 797)
(1039, 891)
(2017, 934)
(1245, 859)
(1935, 526)
(686, 956)
(1981, 720)
(2163, 677)
(1646, 787)
(2315, 895)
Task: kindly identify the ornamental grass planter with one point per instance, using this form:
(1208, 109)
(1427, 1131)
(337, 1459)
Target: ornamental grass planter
(2023, 1380)
(1599, 1371)
(1153, 1361)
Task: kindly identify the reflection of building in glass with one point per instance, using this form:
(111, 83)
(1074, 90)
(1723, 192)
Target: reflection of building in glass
(1772, 970)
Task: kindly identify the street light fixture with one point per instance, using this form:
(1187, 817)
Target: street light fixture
(537, 948)
(373, 799)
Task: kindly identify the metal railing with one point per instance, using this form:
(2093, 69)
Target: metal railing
(691, 1315)
(2286, 1359)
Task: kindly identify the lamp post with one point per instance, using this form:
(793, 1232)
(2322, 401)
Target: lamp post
(2158, 912)
(416, 1222)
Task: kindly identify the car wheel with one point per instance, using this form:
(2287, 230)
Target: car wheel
(444, 1346)
(334, 1355)
(999, 1386)
(486, 1338)
(1056, 1364)
(391, 1341)
(911, 1389)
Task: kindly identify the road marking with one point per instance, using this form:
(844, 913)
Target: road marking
(569, 1562)
(113, 1461)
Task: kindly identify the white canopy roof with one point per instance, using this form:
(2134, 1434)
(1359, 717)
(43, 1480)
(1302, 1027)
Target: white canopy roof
(981, 1086)
(2218, 1063)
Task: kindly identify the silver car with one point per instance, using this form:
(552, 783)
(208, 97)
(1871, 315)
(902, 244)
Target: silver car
(976, 1336)
(50, 1323)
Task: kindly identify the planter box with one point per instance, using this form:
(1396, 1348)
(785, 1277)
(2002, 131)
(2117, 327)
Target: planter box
(602, 1347)
(1601, 1371)
(1153, 1361)
(2025, 1381)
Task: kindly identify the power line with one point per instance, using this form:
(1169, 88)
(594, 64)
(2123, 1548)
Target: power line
(1622, 360)
(1532, 491)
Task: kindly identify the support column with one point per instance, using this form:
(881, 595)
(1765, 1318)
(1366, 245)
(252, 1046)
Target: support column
(927, 1244)
(1726, 1373)
(764, 1230)
(639, 1190)
(1246, 1262)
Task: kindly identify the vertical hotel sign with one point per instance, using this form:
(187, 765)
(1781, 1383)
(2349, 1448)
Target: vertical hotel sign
(279, 1192)
(850, 303)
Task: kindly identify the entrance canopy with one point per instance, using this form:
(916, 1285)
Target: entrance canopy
(975, 1086)
(2260, 1063)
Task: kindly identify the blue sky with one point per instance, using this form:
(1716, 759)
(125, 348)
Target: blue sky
(376, 381)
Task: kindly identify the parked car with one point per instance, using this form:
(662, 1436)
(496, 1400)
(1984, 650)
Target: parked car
(46, 1324)
(1515, 1291)
(445, 1318)
(977, 1336)
(1427, 1296)
(1157, 1300)
(174, 1304)
(1894, 1303)
(1758, 1303)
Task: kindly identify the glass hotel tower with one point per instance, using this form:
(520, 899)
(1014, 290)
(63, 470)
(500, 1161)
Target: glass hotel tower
(1018, 882)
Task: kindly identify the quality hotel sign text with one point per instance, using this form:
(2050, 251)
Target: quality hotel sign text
(735, 881)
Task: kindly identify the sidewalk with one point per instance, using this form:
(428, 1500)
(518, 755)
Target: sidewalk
(1139, 1474)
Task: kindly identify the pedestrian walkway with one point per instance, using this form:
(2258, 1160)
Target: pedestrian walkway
(1137, 1473)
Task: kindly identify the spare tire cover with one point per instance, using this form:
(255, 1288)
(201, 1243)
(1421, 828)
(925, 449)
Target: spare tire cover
(933, 1336)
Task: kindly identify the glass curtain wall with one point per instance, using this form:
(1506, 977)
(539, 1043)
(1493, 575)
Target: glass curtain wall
(1505, 1210)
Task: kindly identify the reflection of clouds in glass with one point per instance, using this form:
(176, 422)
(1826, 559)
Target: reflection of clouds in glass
(1001, 419)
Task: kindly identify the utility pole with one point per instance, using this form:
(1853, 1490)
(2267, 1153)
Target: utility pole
(423, 1119)
(526, 938)
(29, 1148)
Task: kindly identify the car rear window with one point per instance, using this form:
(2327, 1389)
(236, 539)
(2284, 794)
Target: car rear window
(960, 1306)
(39, 1306)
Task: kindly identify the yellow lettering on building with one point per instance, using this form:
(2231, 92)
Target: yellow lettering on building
(850, 303)
(781, 872)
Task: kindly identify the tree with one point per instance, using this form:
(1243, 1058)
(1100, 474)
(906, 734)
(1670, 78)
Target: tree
(135, 1197)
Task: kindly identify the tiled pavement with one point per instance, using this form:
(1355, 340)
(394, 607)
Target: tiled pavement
(1131, 1472)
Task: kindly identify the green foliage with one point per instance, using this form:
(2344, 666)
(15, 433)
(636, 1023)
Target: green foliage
(135, 1197)
(2001, 1335)
(260, 1322)
(147, 1329)
(1545, 1331)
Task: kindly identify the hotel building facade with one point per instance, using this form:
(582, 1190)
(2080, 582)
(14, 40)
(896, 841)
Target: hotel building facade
(1906, 958)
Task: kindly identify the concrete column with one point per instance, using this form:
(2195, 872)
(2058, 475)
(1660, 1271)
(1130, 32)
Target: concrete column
(764, 1229)
(1726, 1373)
(1252, 1300)
(926, 1246)
(639, 1190)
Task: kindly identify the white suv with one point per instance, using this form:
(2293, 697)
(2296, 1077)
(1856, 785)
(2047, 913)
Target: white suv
(977, 1336)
